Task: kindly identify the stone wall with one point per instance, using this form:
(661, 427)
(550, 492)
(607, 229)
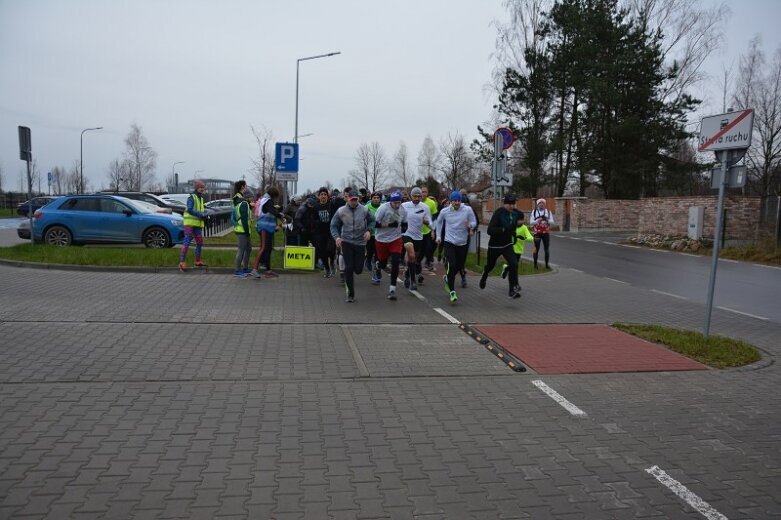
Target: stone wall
(663, 215)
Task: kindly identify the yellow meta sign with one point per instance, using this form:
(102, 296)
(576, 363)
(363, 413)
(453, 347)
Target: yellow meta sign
(300, 257)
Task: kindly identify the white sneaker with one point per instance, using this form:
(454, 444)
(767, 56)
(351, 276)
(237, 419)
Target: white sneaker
(392, 293)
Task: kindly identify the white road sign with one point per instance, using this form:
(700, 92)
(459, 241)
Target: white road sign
(726, 131)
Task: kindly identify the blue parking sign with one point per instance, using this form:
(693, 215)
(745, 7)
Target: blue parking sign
(286, 157)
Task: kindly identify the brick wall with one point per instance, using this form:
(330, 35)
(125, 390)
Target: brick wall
(664, 215)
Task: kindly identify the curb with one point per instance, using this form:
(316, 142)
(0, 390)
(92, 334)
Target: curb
(127, 269)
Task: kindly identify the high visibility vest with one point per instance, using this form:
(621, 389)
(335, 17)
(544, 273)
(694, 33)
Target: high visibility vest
(190, 219)
(238, 226)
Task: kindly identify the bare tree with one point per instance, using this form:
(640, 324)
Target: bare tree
(371, 166)
(58, 176)
(759, 87)
(429, 160)
(457, 162)
(262, 169)
(119, 175)
(400, 167)
(141, 158)
(691, 34)
(72, 180)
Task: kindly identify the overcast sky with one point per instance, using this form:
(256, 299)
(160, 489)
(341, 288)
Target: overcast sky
(196, 74)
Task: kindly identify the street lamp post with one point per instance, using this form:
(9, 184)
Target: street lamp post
(81, 158)
(174, 178)
(298, 66)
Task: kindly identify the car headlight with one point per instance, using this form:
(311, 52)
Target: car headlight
(177, 223)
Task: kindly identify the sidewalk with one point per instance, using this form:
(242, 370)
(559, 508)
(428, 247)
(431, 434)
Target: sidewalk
(142, 395)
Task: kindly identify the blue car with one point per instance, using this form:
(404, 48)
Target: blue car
(81, 219)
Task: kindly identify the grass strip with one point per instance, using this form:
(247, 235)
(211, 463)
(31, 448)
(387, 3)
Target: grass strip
(122, 256)
(714, 351)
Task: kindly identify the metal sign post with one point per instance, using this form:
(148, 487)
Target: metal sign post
(727, 135)
(503, 139)
(26, 154)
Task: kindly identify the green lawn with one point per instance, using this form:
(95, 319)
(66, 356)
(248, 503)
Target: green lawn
(122, 256)
(714, 351)
(8, 213)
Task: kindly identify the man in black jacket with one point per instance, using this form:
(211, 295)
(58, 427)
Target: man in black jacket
(501, 230)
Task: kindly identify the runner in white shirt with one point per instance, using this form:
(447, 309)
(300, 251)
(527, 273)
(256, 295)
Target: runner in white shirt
(418, 215)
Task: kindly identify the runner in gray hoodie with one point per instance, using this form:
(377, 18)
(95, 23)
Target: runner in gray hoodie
(350, 229)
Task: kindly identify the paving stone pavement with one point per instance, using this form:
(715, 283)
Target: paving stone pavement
(129, 395)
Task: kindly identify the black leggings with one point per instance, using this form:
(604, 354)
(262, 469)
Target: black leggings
(395, 260)
(512, 263)
(325, 249)
(354, 256)
(545, 239)
(456, 259)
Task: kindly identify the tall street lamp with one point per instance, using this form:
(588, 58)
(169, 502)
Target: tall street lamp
(81, 159)
(174, 178)
(298, 66)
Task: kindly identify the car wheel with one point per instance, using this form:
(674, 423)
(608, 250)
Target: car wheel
(156, 237)
(58, 236)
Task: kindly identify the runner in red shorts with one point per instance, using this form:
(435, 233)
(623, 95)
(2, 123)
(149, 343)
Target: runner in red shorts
(390, 220)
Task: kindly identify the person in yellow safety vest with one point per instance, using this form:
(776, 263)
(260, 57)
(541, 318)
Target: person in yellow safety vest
(522, 235)
(241, 220)
(428, 238)
(193, 225)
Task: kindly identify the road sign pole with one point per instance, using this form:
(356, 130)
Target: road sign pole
(716, 239)
(495, 166)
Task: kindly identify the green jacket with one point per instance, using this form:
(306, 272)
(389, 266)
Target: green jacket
(522, 235)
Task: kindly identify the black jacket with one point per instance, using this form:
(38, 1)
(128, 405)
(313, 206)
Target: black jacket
(501, 228)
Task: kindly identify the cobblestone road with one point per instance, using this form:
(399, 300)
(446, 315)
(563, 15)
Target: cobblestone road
(129, 395)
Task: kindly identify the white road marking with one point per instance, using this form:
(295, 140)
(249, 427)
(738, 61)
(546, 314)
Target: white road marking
(687, 496)
(631, 247)
(419, 296)
(611, 243)
(576, 270)
(618, 281)
(729, 260)
(670, 294)
(592, 240)
(742, 313)
(688, 254)
(767, 266)
(553, 394)
(447, 316)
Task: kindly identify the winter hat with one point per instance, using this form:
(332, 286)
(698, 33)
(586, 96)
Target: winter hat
(509, 198)
(540, 201)
(395, 197)
(456, 196)
(415, 191)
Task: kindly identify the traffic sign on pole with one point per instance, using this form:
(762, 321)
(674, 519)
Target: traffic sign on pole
(506, 136)
(726, 131)
(286, 161)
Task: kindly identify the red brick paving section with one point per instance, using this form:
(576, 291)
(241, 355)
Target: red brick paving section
(579, 349)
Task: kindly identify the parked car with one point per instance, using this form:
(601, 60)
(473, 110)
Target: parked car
(37, 202)
(178, 197)
(23, 230)
(179, 200)
(80, 219)
(149, 198)
(220, 204)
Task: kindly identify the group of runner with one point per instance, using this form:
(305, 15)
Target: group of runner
(350, 234)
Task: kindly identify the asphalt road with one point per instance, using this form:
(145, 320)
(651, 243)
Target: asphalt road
(743, 288)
